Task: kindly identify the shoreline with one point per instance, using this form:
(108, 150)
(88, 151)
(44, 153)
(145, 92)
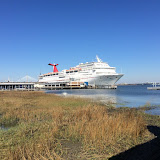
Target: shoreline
(70, 127)
(109, 101)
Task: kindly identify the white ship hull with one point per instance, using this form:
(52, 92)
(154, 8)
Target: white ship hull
(104, 80)
(93, 74)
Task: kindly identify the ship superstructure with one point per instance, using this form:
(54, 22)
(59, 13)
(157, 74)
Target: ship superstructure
(98, 74)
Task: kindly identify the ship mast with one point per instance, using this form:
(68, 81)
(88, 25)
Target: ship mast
(98, 59)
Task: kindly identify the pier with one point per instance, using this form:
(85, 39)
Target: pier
(7, 86)
(32, 86)
(60, 85)
(155, 87)
(36, 86)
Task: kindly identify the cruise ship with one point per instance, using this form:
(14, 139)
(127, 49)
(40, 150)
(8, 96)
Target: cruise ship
(94, 74)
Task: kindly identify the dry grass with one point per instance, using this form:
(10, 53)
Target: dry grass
(102, 132)
(40, 122)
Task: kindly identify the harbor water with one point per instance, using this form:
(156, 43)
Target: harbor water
(123, 96)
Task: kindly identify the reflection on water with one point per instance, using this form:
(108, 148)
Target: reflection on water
(129, 96)
(100, 95)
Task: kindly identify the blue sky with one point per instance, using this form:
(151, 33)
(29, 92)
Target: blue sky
(124, 33)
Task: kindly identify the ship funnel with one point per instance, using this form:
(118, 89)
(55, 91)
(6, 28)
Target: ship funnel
(54, 67)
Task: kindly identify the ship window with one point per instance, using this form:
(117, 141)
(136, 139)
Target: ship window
(72, 79)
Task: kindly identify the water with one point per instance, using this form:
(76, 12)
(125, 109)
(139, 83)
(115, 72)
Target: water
(4, 128)
(155, 111)
(123, 96)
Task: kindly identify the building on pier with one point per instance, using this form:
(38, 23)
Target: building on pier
(17, 86)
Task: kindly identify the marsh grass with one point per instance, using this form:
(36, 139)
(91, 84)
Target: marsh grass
(41, 122)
